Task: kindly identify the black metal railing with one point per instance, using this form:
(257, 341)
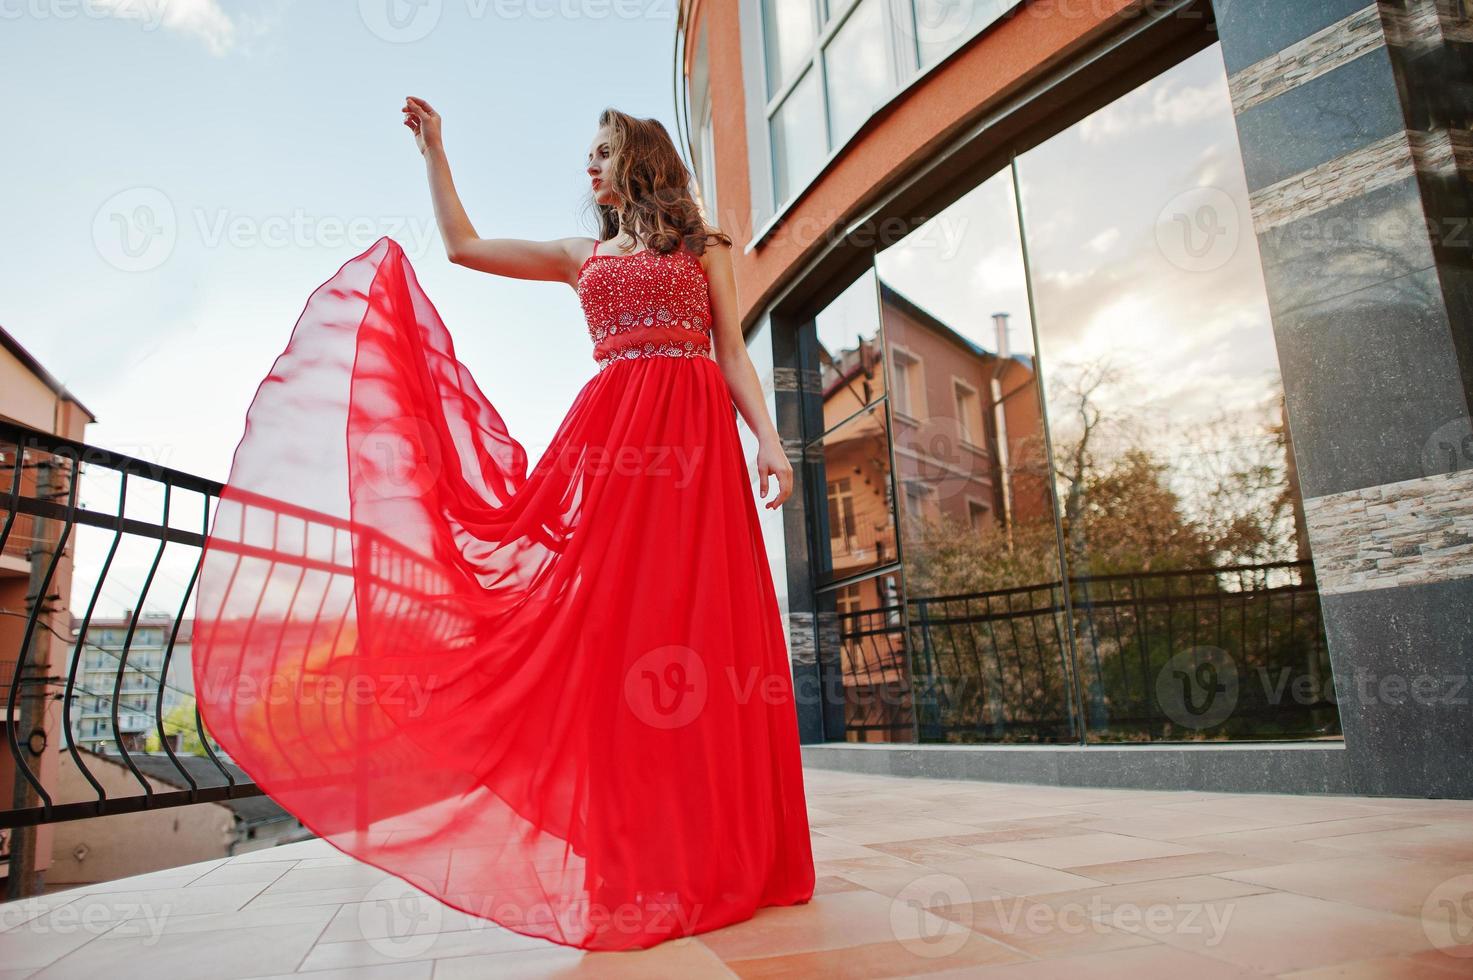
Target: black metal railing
(42, 475)
(1230, 653)
(42, 478)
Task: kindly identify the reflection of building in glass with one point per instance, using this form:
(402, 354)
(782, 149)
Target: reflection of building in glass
(961, 414)
(1099, 370)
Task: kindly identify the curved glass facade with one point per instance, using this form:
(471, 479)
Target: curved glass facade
(1059, 497)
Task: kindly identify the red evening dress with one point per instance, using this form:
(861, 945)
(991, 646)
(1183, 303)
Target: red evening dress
(558, 699)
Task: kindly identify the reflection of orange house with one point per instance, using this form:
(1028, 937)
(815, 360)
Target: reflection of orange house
(968, 427)
(967, 437)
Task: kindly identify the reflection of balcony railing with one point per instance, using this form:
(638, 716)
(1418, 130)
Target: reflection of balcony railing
(1223, 653)
(865, 546)
(876, 683)
(1204, 653)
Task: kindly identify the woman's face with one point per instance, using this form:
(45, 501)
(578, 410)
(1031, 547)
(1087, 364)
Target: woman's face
(598, 168)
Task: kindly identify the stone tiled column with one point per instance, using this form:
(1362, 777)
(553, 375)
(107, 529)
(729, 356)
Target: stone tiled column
(812, 623)
(1354, 124)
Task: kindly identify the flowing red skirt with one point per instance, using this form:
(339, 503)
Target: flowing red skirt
(558, 699)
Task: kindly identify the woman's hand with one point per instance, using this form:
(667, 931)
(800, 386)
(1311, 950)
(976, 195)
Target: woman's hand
(772, 461)
(423, 121)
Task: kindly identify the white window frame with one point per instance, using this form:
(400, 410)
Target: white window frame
(914, 368)
(905, 71)
(973, 439)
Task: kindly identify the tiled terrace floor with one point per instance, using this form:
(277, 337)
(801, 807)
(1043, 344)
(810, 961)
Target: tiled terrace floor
(916, 877)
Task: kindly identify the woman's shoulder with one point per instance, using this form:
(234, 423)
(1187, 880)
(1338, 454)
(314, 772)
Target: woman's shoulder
(710, 231)
(716, 244)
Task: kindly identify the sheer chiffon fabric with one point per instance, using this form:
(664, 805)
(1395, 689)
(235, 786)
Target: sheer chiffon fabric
(556, 698)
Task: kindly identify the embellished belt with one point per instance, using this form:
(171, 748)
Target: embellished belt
(651, 342)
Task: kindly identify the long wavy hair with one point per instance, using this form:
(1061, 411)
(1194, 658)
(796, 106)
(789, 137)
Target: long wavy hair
(653, 184)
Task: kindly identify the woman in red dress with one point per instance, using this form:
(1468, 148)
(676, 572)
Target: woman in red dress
(557, 699)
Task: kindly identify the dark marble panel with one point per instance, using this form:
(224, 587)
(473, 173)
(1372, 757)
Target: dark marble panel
(1403, 658)
(1129, 768)
(1369, 377)
(807, 681)
(1005, 766)
(1371, 238)
(1307, 768)
(1326, 768)
(1251, 30)
(1325, 118)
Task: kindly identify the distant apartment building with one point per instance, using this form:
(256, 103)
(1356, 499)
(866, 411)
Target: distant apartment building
(122, 690)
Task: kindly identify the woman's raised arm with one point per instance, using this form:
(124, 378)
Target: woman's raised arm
(557, 260)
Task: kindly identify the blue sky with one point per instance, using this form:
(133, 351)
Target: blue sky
(180, 175)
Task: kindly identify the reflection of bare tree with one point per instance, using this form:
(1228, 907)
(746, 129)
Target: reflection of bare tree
(1248, 499)
(1075, 461)
(1172, 539)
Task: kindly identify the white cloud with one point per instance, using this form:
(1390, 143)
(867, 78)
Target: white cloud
(1161, 103)
(201, 20)
(1104, 241)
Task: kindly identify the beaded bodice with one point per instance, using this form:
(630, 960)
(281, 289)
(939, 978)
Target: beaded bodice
(645, 304)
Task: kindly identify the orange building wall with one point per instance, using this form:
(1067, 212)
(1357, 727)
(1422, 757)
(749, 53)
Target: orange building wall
(998, 61)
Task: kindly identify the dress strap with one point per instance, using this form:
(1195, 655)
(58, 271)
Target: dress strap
(595, 248)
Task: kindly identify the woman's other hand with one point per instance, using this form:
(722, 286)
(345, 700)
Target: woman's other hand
(773, 462)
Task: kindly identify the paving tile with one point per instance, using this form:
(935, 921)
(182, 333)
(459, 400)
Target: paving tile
(1276, 932)
(678, 960)
(1387, 968)
(227, 952)
(385, 915)
(872, 830)
(413, 970)
(1262, 848)
(961, 951)
(44, 939)
(1277, 808)
(826, 922)
(1105, 901)
(1165, 823)
(1079, 849)
(229, 873)
(1390, 884)
(1037, 929)
(1149, 962)
(351, 954)
(828, 884)
(1438, 841)
(826, 848)
(1171, 866)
